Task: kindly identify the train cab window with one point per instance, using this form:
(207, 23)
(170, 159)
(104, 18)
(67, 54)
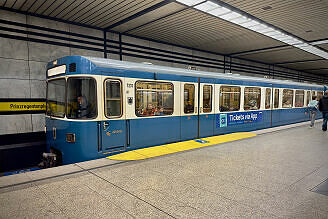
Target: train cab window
(252, 98)
(319, 95)
(189, 98)
(299, 98)
(207, 98)
(276, 98)
(113, 98)
(267, 98)
(287, 98)
(229, 98)
(81, 98)
(56, 98)
(308, 97)
(154, 98)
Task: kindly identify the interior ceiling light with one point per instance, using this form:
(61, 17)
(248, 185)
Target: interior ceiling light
(227, 13)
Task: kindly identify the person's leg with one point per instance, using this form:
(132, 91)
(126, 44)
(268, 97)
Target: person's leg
(312, 117)
(325, 119)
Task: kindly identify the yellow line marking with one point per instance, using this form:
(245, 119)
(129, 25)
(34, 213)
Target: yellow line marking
(156, 151)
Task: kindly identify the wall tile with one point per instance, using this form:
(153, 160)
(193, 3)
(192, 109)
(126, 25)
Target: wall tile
(38, 70)
(38, 89)
(113, 56)
(11, 68)
(112, 36)
(84, 52)
(46, 53)
(12, 16)
(160, 46)
(135, 59)
(47, 23)
(137, 41)
(15, 49)
(13, 124)
(14, 88)
(38, 122)
(86, 31)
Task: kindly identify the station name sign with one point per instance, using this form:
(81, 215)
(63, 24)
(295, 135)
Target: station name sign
(22, 106)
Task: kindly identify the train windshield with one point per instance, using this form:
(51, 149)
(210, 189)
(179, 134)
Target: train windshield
(56, 98)
(81, 98)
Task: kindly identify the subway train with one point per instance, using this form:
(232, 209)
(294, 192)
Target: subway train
(98, 107)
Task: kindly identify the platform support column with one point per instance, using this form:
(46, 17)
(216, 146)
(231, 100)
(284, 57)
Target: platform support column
(120, 42)
(105, 44)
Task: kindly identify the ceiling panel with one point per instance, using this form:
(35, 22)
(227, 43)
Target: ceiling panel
(305, 19)
(280, 55)
(18, 4)
(126, 10)
(196, 29)
(150, 17)
(307, 65)
(175, 23)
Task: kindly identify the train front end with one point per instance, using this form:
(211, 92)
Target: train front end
(71, 116)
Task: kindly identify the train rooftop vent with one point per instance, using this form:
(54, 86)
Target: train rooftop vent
(72, 67)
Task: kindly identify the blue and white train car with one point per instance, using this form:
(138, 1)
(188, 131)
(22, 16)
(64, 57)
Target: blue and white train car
(96, 107)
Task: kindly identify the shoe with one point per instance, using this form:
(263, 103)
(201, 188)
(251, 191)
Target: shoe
(310, 127)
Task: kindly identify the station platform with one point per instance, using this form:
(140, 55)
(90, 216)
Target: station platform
(274, 173)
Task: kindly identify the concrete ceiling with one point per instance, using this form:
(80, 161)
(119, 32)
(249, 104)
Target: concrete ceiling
(172, 22)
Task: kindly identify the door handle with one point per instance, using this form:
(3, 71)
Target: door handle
(105, 125)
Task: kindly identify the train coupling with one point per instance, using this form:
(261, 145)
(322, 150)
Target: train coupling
(48, 160)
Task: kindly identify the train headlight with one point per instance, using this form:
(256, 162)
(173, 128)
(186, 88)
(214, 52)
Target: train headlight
(70, 137)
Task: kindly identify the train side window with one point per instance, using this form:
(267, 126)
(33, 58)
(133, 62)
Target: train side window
(299, 98)
(319, 95)
(267, 98)
(207, 98)
(252, 98)
(189, 98)
(229, 98)
(81, 98)
(276, 98)
(154, 98)
(287, 98)
(308, 97)
(113, 98)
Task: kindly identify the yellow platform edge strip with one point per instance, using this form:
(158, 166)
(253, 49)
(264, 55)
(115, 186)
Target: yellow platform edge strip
(144, 153)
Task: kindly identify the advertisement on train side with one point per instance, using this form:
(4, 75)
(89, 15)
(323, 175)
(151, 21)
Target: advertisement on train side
(238, 118)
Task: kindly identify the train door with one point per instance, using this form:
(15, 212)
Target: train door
(189, 108)
(206, 109)
(113, 131)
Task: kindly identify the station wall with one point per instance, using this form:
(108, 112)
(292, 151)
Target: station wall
(28, 43)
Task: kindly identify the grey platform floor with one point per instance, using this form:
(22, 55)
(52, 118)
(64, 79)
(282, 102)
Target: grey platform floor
(268, 176)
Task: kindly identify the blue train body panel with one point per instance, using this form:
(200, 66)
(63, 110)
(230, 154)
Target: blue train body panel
(96, 139)
(206, 125)
(189, 127)
(85, 147)
(112, 135)
(154, 131)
